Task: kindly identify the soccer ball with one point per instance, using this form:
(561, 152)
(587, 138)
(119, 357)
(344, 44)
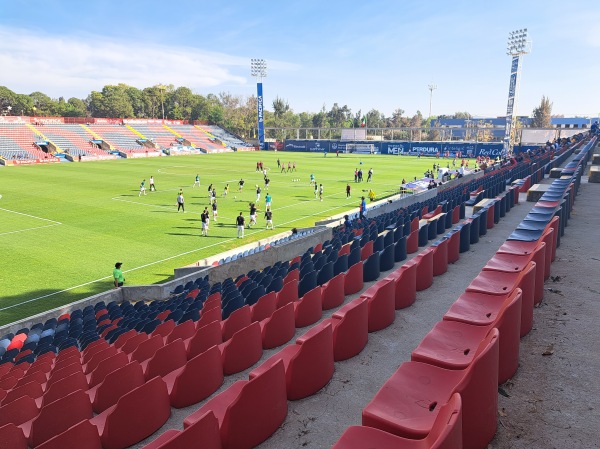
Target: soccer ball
(235, 197)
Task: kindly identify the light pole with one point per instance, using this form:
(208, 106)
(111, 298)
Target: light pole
(517, 45)
(431, 88)
(258, 69)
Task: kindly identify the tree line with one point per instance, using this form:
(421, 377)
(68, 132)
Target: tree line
(234, 112)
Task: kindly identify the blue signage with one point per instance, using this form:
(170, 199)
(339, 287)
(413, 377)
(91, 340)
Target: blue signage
(261, 123)
(465, 149)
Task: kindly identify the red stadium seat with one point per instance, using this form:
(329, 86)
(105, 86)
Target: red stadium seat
(289, 293)
(353, 279)
(279, 328)
(381, 300)
(405, 281)
(238, 319)
(264, 307)
(350, 329)
(309, 308)
(116, 384)
(166, 359)
(243, 350)
(204, 338)
(333, 292)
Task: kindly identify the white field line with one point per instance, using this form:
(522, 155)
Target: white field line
(54, 223)
(159, 261)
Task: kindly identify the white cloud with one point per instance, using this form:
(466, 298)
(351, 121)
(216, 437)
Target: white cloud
(73, 66)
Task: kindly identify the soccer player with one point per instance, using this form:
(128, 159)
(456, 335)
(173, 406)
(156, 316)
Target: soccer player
(321, 192)
(214, 209)
(152, 186)
(180, 201)
(289, 166)
(312, 179)
(226, 190)
(204, 220)
(370, 175)
(363, 209)
(213, 196)
(142, 188)
(347, 190)
(269, 219)
(278, 163)
(253, 210)
(197, 181)
(268, 200)
(258, 190)
(267, 182)
(240, 225)
(241, 185)
(316, 191)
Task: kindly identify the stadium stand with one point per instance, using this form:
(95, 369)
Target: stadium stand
(17, 141)
(71, 139)
(86, 345)
(198, 137)
(224, 136)
(118, 137)
(157, 134)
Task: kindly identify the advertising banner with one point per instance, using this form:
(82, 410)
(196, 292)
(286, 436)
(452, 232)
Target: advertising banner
(261, 122)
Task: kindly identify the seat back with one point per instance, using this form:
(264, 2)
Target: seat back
(165, 328)
(184, 331)
(137, 415)
(237, 320)
(132, 343)
(167, 358)
(107, 366)
(279, 328)
(18, 411)
(56, 417)
(200, 377)
(99, 357)
(333, 292)
(85, 434)
(205, 430)
(288, 293)
(243, 350)
(116, 384)
(258, 410)
(69, 384)
(147, 348)
(205, 338)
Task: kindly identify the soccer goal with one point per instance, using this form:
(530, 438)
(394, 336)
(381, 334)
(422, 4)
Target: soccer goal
(362, 148)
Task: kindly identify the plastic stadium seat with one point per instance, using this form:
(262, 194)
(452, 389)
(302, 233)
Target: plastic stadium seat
(453, 246)
(350, 329)
(501, 312)
(147, 349)
(325, 273)
(440, 257)
(200, 377)
(288, 294)
(204, 338)
(309, 309)
(31, 389)
(501, 283)
(238, 319)
(98, 358)
(446, 433)
(386, 258)
(164, 329)
(137, 415)
(333, 292)
(58, 416)
(184, 331)
(92, 349)
(408, 403)
(19, 411)
(12, 437)
(65, 386)
(122, 339)
(308, 364)
(400, 249)
(107, 366)
(371, 268)
(353, 280)
(205, 429)
(424, 262)
(279, 328)
(264, 307)
(412, 242)
(248, 412)
(366, 250)
(381, 301)
(166, 359)
(243, 350)
(115, 385)
(132, 343)
(405, 281)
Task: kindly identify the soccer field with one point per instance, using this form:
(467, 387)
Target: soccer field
(64, 226)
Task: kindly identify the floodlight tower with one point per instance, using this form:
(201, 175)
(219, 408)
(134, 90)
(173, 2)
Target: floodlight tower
(517, 45)
(431, 88)
(258, 69)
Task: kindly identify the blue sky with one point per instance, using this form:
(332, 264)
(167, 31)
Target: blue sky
(380, 54)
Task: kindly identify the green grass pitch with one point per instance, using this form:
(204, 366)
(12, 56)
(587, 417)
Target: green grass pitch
(64, 226)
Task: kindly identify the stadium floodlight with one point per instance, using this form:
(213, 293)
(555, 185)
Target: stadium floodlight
(431, 88)
(258, 68)
(516, 46)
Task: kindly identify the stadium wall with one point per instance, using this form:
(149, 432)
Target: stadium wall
(467, 149)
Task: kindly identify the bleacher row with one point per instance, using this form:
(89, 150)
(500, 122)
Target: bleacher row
(164, 348)
(17, 140)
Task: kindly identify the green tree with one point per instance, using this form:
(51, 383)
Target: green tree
(542, 114)
(8, 100)
(44, 105)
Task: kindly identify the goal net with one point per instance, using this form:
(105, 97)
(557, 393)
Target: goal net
(363, 148)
